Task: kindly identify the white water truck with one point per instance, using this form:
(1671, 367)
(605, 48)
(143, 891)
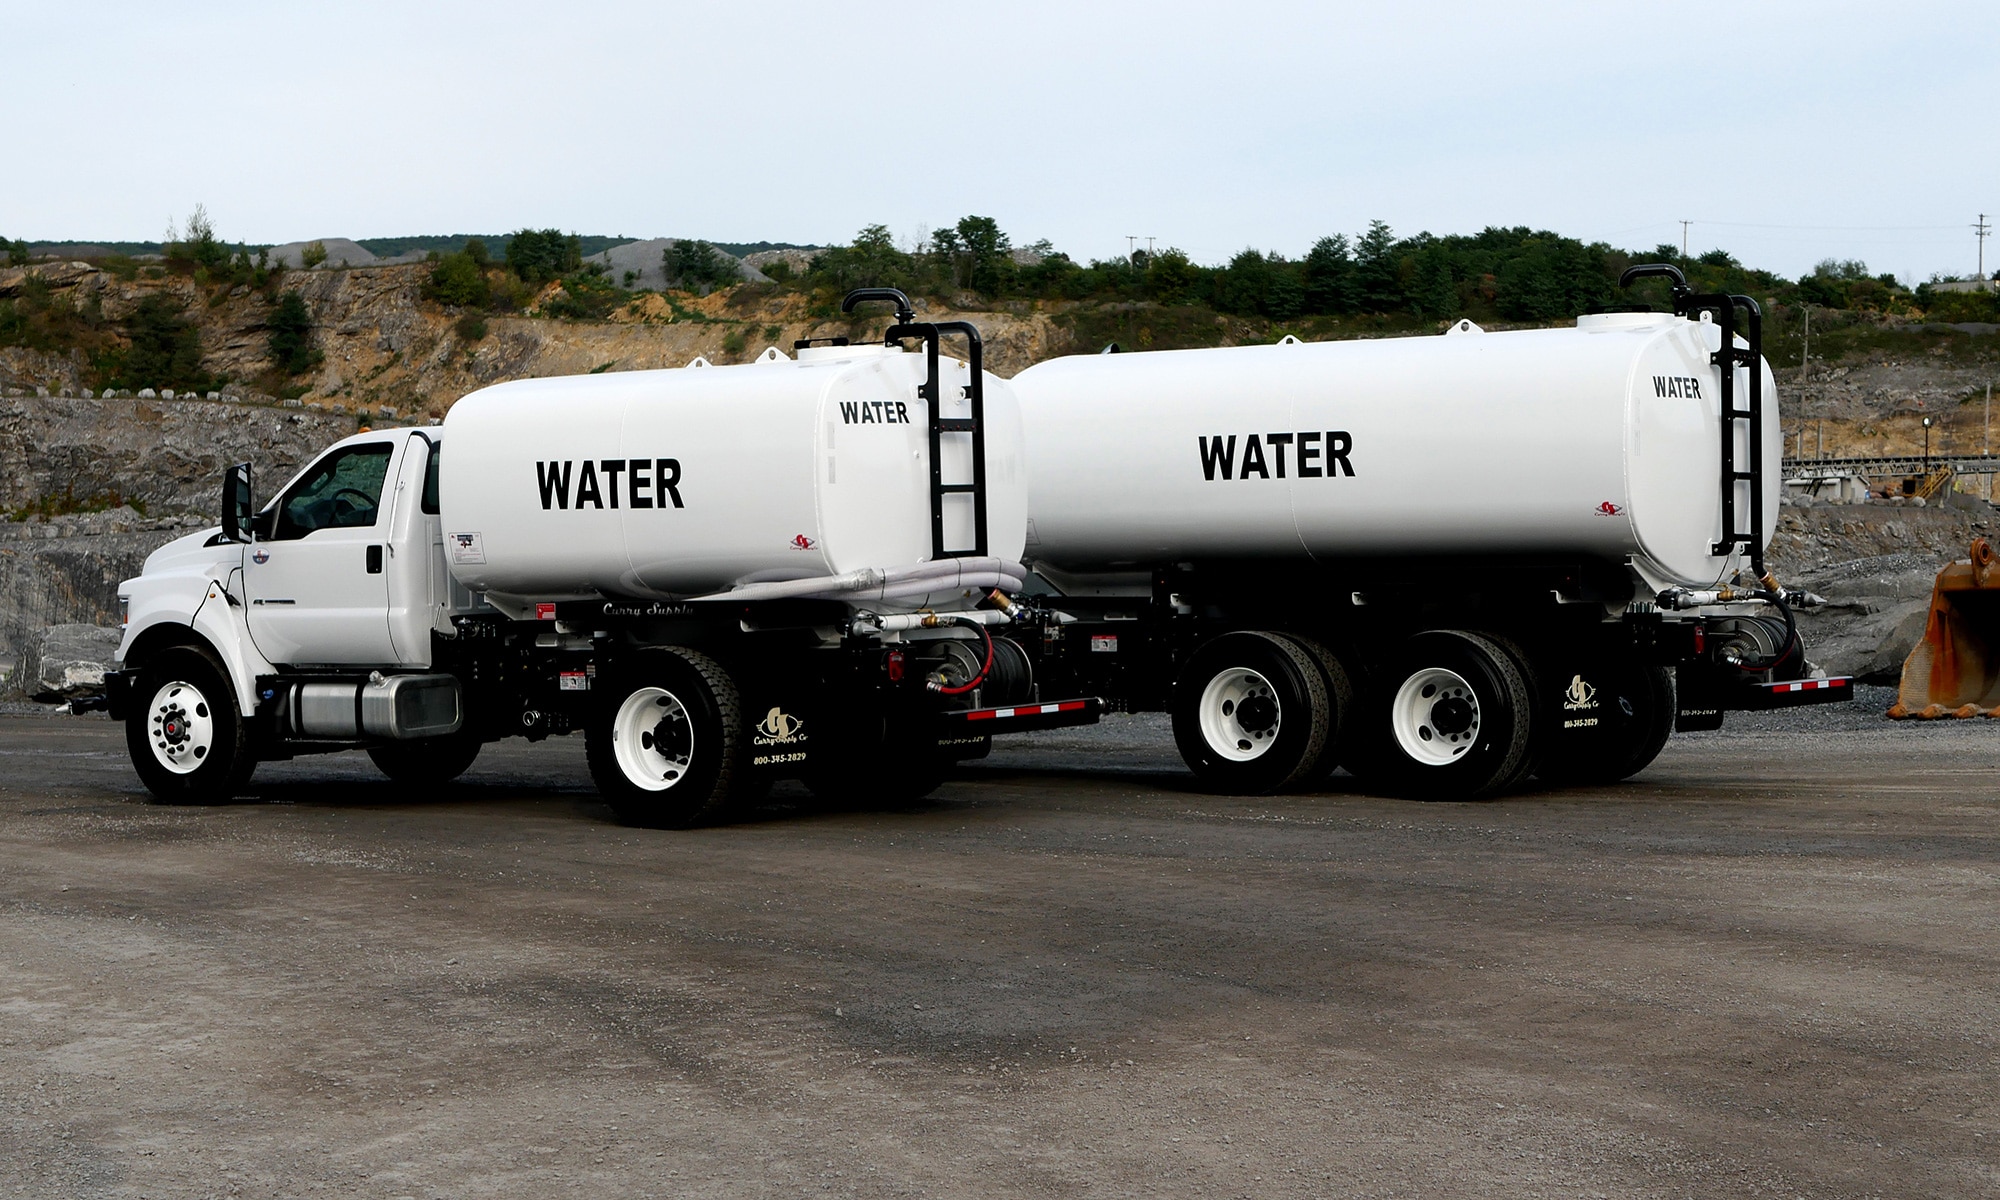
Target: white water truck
(722, 576)
(1444, 563)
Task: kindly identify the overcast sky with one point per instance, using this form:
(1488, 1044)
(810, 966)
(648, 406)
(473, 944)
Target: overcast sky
(1787, 132)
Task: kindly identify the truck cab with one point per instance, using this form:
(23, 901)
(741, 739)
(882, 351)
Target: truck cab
(275, 620)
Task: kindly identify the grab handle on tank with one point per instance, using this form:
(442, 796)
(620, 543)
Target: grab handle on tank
(1664, 270)
(904, 312)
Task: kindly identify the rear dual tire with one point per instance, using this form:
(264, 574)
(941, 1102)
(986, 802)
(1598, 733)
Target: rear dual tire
(1255, 713)
(666, 747)
(1451, 717)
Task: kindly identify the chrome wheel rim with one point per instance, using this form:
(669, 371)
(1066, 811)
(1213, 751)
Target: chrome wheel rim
(180, 727)
(1240, 715)
(653, 738)
(1436, 716)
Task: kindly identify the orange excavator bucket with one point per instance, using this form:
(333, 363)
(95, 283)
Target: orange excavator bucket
(1955, 670)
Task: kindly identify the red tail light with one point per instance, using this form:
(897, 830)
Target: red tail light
(893, 664)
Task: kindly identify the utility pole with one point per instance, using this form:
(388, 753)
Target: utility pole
(1981, 230)
(1684, 239)
(1149, 249)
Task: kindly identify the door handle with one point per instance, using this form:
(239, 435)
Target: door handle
(374, 560)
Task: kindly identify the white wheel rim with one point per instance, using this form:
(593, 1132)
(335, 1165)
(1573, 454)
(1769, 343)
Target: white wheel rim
(1233, 732)
(1436, 716)
(180, 727)
(653, 737)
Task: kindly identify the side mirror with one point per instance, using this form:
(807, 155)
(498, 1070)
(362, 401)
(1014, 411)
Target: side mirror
(237, 503)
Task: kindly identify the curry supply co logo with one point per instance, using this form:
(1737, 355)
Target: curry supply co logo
(779, 728)
(802, 542)
(1608, 509)
(1578, 697)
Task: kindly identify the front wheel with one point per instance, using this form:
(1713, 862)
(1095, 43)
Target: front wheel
(187, 740)
(666, 747)
(1251, 713)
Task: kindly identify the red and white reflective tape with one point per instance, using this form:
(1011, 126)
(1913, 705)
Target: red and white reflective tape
(1808, 685)
(1026, 710)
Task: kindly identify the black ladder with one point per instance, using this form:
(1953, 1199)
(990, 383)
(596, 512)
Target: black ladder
(931, 392)
(1736, 535)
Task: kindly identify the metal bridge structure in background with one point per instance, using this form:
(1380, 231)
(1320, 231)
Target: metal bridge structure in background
(1918, 474)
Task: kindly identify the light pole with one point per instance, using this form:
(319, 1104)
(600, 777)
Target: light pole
(1927, 444)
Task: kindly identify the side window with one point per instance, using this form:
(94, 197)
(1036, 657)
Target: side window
(341, 491)
(431, 481)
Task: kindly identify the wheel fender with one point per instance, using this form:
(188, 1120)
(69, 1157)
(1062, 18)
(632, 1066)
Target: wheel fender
(215, 618)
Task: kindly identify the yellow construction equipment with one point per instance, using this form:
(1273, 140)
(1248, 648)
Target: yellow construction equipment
(1955, 670)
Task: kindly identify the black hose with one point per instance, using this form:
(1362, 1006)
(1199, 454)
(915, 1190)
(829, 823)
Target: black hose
(1791, 642)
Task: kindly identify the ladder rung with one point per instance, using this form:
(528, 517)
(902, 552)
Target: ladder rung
(956, 424)
(1743, 474)
(943, 488)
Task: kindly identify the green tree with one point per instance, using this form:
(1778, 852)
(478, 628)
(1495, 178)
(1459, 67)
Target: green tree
(291, 335)
(1171, 278)
(458, 279)
(989, 265)
(475, 249)
(197, 243)
(1378, 283)
(871, 261)
(1433, 293)
(539, 255)
(17, 252)
(165, 350)
(694, 265)
(312, 255)
(1328, 276)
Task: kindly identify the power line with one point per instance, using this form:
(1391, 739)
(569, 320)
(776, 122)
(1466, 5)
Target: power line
(1982, 229)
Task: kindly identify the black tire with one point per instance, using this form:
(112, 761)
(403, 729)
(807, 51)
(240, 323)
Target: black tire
(427, 762)
(1251, 713)
(1630, 707)
(1340, 692)
(877, 761)
(188, 742)
(666, 745)
(1466, 720)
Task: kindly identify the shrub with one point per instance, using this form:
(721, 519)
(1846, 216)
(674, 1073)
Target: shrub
(696, 266)
(165, 349)
(457, 279)
(470, 328)
(313, 255)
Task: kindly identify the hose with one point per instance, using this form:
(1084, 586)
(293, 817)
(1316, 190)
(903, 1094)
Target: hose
(985, 667)
(1790, 645)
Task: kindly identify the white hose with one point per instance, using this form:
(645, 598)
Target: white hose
(895, 583)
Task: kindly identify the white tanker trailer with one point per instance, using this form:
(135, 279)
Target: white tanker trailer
(721, 575)
(1443, 562)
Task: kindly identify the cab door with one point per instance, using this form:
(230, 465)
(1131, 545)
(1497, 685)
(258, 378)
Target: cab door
(316, 577)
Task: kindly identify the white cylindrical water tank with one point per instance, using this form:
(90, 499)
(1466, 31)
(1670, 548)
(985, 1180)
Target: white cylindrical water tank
(1601, 440)
(676, 483)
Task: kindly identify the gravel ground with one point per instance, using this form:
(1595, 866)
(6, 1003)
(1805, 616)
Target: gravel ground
(1763, 968)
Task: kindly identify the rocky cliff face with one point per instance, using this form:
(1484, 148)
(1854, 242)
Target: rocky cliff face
(382, 344)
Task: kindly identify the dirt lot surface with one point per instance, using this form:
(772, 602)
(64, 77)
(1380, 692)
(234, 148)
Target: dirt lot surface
(1767, 967)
